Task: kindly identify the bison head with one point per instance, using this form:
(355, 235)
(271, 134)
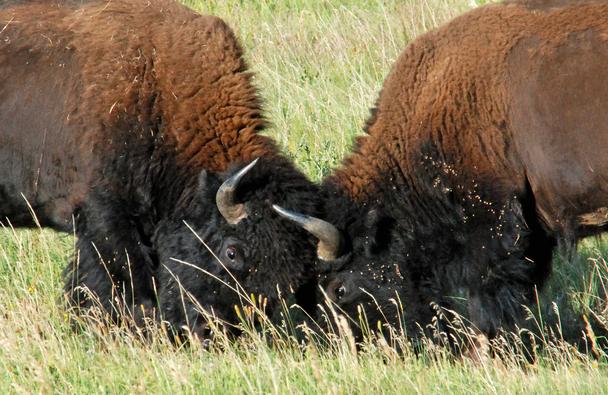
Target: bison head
(399, 266)
(226, 243)
(373, 276)
(358, 277)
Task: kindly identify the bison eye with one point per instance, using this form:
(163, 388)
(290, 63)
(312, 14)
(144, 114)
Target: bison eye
(231, 252)
(340, 292)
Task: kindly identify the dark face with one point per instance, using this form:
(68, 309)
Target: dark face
(368, 293)
(376, 282)
(370, 286)
(261, 251)
(429, 266)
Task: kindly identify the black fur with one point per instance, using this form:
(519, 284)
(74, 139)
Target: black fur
(118, 122)
(275, 252)
(434, 247)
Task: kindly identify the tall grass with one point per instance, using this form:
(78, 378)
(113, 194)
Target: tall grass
(319, 67)
(320, 64)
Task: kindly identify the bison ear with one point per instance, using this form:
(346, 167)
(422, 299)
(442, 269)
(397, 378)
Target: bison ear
(372, 218)
(377, 230)
(203, 181)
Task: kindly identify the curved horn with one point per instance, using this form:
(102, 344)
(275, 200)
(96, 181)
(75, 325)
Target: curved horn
(329, 236)
(224, 198)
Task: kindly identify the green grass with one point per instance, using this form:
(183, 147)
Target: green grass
(319, 65)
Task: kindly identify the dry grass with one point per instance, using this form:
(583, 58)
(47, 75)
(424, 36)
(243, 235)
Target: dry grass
(319, 67)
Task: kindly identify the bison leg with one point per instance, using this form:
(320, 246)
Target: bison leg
(113, 266)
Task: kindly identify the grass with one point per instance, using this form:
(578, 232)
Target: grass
(319, 66)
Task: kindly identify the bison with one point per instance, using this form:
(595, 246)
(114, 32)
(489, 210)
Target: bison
(482, 155)
(136, 126)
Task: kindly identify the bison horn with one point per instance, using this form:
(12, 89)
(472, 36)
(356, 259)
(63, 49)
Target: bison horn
(225, 196)
(329, 236)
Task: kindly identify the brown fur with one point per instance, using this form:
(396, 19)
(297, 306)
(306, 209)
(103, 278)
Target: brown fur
(105, 90)
(480, 89)
(119, 120)
(484, 148)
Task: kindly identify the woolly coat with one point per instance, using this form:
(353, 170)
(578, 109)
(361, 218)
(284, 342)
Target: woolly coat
(118, 121)
(483, 150)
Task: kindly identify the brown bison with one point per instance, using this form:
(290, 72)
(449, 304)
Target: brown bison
(484, 152)
(129, 122)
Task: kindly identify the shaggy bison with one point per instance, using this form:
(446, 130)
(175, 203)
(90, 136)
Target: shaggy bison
(484, 152)
(128, 123)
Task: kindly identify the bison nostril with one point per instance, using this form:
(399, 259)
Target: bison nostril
(202, 332)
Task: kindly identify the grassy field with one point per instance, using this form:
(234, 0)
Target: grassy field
(319, 66)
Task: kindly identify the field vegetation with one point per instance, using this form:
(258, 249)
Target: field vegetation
(319, 66)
